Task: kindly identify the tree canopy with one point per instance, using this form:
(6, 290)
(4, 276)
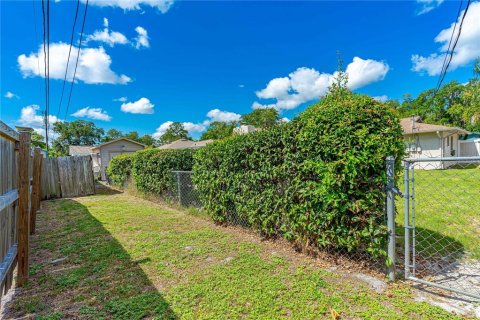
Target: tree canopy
(219, 130)
(453, 104)
(38, 140)
(78, 132)
(174, 132)
(261, 118)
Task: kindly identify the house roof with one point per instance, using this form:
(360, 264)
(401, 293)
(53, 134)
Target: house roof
(186, 144)
(79, 150)
(116, 140)
(414, 125)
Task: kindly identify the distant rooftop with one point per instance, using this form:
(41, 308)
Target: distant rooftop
(415, 124)
(80, 150)
(186, 144)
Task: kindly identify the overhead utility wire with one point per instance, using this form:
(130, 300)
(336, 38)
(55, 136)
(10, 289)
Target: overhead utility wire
(442, 75)
(78, 56)
(68, 59)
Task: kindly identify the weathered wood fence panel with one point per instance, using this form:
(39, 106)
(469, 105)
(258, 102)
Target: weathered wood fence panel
(67, 177)
(17, 202)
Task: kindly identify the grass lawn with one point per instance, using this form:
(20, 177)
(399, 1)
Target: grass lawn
(127, 258)
(447, 206)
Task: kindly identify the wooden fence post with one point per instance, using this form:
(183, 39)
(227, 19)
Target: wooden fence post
(36, 191)
(23, 205)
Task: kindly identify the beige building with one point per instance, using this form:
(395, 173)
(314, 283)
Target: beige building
(103, 153)
(425, 140)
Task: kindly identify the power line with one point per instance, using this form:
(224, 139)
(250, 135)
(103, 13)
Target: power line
(68, 59)
(450, 43)
(45, 74)
(48, 70)
(442, 75)
(78, 56)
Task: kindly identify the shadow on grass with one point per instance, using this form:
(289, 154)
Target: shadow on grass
(78, 270)
(434, 252)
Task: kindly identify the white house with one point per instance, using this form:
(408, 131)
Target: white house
(425, 140)
(244, 129)
(102, 154)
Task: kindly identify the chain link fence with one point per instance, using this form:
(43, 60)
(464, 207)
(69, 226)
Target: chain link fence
(439, 221)
(185, 194)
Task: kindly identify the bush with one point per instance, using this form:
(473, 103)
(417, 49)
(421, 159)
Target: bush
(152, 169)
(317, 180)
(119, 169)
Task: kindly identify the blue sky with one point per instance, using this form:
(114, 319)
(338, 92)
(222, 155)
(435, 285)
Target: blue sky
(196, 62)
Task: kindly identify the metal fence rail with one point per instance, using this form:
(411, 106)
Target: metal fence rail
(441, 220)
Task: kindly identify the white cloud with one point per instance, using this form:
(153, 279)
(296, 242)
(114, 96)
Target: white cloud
(466, 51)
(142, 38)
(222, 116)
(92, 113)
(93, 65)
(141, 106)
(121, 99)
(161, 129)
(363, 72)
(11, 95)
(426, 6)
(241, 86)
(30, 118)
(285, 120)
(194, 128)
(191, 127)
(381, 98)
(106, 36)
(162, 5)
(306, 84)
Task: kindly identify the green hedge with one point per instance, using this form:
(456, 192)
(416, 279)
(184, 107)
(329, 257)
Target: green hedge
(119, 169)
(152, 169)
(316, 181)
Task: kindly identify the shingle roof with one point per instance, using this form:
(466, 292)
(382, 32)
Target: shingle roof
(186, 144)
(79, 150)
(415, 125)
(112, 141)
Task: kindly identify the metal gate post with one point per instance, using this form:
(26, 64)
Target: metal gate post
(391, 217)
(407, 218)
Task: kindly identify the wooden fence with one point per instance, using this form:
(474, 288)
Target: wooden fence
(20, 174)
(67, 177)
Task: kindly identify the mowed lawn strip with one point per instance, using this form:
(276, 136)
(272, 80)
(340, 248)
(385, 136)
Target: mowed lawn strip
(127, 258)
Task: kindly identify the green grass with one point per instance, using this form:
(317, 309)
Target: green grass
(127, 258)
(447, 211)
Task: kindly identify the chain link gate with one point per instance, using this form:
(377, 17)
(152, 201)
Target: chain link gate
(441, 220)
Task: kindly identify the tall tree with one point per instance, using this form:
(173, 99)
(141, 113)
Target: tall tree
(219, 130)
(174, 132)
(112, 134)
(147, 140)
(261, 118)
(132, 135)
(78, 132)
(38, 140)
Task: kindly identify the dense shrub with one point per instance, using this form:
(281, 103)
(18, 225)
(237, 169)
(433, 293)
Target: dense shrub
(317, 180)
(119, 169)
(152, 169)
